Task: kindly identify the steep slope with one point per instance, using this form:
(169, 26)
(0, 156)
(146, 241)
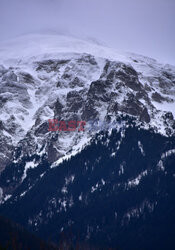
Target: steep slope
(121, 186)
(45, 77)
(100, 183)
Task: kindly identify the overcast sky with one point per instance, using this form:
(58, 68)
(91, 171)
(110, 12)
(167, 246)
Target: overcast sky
(142, 26)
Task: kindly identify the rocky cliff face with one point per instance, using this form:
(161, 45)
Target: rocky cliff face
(72, 80)
(78, 86)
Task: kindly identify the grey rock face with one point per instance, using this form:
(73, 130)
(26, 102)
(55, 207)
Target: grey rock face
(80, 87)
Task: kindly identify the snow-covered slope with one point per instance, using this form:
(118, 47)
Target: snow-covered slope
(120, 181)
(50, 76)
(40, 45)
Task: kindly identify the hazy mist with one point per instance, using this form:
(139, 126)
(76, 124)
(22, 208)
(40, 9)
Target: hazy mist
(142, 26)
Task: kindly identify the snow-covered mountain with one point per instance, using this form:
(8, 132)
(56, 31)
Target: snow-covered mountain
(56, 77)
(44, 77)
